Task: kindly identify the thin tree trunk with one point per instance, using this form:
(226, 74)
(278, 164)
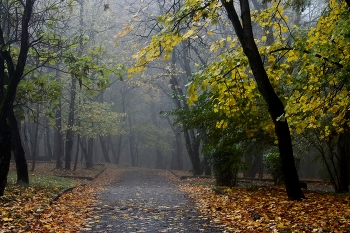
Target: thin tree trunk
(69, 133)
(90, 153)
(176, 158)
(115, 152)
(207, 167)
(131, 143)
(104, 149)
(83, 149)
(77, 153)
(48, 139)
(58, 141)
(176, 154)
(35, 143)
(192, 143)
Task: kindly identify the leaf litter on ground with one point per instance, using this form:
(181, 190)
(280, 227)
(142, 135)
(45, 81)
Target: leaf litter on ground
(267, 209)
(25, 208)
(239, 209)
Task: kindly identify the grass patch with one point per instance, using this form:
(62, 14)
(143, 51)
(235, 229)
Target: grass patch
(51, 183)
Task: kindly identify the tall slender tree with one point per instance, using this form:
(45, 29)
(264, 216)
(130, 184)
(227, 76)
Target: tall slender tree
(12, 69)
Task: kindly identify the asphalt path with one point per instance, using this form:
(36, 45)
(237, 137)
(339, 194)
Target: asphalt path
(145, 201)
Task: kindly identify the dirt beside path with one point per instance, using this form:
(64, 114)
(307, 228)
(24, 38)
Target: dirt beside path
(145, 201)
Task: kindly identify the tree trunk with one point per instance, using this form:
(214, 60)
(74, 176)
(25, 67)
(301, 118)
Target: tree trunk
(90, 154)
(18, 151)
(343, 161)
(58, 137)
(83, 149)
(48, 139)
(275, 106)
(348, 3)
(35, 145)
(256, 164)
(192, 143)
(77, 153)
(5, 148)
(132, 144)
(207, 167)
(69, 133)
(15, 71)
(104, 149)
(116, 151)
(176, 158)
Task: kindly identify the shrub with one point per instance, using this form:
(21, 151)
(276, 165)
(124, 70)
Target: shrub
(272, 161)
(225, 165)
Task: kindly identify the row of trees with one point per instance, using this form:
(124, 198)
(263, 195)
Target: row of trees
(62, 91)
(260, 74)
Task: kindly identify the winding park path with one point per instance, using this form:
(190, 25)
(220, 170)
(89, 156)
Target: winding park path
(143, 200)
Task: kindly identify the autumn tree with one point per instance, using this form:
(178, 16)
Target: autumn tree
(16, 40)
(209, 10)
(318, 106)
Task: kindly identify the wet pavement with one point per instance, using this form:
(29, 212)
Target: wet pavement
(145, 201)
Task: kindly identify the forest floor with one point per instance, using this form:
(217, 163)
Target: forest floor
(112, 196)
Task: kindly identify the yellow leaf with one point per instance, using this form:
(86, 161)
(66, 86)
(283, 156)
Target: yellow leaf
(188, 34)
(335, 108)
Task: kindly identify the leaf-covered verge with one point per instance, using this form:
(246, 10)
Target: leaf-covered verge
(26, 208)
(266, 209)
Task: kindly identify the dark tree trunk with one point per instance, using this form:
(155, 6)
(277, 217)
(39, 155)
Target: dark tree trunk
(83, 149)
(18, 151)
(193, 153)
(77, 153)
(192, 143)
(104, 149)
(69, 133)
(348, 3)
(116, 151)
(206, 166)
(90, 154)
(5, 156)
(256, 164)
(35, 145)
(343, 161)
(176, 158)
(159, 159)
(132, 150)
(58, 138)
(132, 144)
(25, 140)
(48, 139)
(275, 106)
(15, 72)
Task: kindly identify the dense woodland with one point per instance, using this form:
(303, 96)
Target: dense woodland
(215, 87)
